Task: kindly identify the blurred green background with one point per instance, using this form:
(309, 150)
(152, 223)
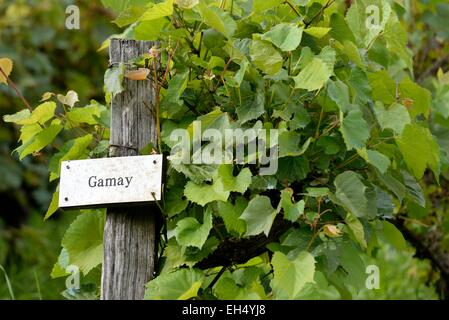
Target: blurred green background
(48, 57)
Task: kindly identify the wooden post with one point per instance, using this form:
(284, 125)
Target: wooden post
(130, 233)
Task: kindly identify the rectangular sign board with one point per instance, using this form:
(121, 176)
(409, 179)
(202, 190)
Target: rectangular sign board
(110, 181)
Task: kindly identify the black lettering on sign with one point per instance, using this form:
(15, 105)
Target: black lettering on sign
(95, 182)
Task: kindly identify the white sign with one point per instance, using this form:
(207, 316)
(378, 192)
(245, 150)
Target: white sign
(108, 181)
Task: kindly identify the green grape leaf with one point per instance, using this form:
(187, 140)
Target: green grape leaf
(383, 87)
(218, 19)
(353, 194)
(263, 5)
(59, 268)
(317, 32)
(83, 240)
(196, 173)
(113, 79)
(292, 211)
(395, 117)
(172, 104)
(54, 205)
(265, 57)
(375, 158)
(40, 115)
(338, 91)
(181, 284)
(291, 274)
(229, 183)
(41, 140)
(252, 104)
(203, 194)
(174, 202)
(285, 36)
(231, 215)
(313, 76)
(259, 216)
(293, 168)
(354, 130)
(28, 132)
(421, 98)
(289, 144)
(356, 229)
(189, 232)
(121, 5)
(158, 10)
(390, 234)
(362, 19)
(396, 38)
(419, 149)
(72, 150)
(90, 114)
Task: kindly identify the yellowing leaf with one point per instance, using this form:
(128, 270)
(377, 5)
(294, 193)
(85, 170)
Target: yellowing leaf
(41, 114)
(69, 99)
(187, 4)
(18, 116)
(331, 231)
(46, 96)
(6, 65)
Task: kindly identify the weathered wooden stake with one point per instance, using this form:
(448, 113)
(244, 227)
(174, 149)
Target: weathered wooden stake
(130, 233)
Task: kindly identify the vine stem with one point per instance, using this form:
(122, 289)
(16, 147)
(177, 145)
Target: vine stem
(293, 8)
(158, 91)
(13, 85)
(312, 240)
(214, 281)
(158, 125)
(328, 4)
(351, 159)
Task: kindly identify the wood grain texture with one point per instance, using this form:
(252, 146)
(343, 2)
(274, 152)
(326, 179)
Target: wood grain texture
(130, 234)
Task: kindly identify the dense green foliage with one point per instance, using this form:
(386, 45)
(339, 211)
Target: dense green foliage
(358, 131)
